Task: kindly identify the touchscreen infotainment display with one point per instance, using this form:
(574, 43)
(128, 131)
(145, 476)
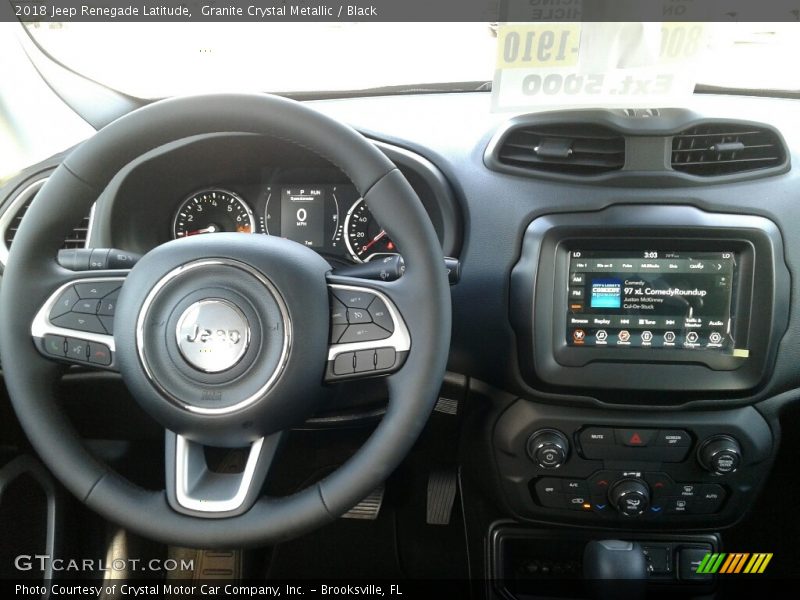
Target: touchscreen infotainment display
(650, 299)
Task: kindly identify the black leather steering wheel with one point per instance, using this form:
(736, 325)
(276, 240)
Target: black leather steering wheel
(224, 338)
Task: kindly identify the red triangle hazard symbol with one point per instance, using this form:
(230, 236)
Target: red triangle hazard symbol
(635, 439)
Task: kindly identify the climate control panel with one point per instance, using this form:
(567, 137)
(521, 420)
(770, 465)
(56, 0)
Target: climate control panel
(696, 468)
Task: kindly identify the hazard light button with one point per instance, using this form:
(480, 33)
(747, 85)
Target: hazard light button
(635, 437)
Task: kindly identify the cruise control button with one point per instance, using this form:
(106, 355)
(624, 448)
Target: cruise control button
(634, 437)
(358, 315)
(367, 332)
(676, 438)
(77, 349)
(97, 289)
(65, 302)
(380, 315)
(343, 364)
(338, 312)
(99, 354)
(79, 322)
(54, 344)
(385, 358)
(108, 305)
(354, 299)
(365, 361)
(88, 307)
(336, 332)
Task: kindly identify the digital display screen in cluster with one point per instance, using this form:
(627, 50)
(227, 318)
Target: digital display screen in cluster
(650, 299)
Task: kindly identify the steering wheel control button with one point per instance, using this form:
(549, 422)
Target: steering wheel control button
(336, 332)
(720, 454)
(630, 496)
(108, 305)
(88, 307)
(548, 448)
(344, 364)
(338, 312)
(55, 345)
(96, 289)
(358, 315)
(365, 361)
(385, 358)
(99, 354)
(77, 349)
(380, 315)
(354, 299)
(79, 322)
(367, 332)
(213, 335)
(108, 323)
(65, 302)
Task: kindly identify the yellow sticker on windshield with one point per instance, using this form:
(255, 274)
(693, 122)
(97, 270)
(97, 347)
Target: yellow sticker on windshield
(537, 45)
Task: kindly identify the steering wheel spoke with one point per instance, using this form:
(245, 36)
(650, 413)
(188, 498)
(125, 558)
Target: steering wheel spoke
(75, 324)
(227, 489)
(368, 335)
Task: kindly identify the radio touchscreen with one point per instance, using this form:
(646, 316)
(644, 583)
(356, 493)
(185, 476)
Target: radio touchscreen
(651, 299)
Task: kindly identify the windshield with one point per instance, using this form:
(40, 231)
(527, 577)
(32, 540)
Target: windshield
(165, 59)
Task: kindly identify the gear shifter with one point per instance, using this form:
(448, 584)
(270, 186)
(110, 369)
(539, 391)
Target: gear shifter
(615, 569)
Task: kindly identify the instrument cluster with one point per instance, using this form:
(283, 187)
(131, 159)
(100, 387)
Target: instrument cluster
(332, 219)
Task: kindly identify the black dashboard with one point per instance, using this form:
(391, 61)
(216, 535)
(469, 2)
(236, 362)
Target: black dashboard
(626, 316)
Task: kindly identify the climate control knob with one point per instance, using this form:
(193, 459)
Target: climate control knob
(631, 497)
(720, 454)
(548, 448)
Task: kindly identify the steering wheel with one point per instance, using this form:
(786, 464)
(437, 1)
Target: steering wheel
(226, 340)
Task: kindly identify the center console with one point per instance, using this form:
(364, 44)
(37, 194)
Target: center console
(643, 308)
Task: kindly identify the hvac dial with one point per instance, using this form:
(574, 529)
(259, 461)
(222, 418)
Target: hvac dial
(213, 211)
(365, 239)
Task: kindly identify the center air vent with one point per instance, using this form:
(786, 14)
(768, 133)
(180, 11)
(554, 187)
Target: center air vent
(569, 149)
(12, 218)
(715, 149)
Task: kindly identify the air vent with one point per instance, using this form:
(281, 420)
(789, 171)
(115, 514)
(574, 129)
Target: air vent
(717, 149)
(11, 221)
(569, 149)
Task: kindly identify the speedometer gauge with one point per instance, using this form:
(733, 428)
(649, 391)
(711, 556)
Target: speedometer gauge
(212, 211)
(365, 239)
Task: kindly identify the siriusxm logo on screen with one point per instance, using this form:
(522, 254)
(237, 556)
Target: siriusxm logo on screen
(606, 293)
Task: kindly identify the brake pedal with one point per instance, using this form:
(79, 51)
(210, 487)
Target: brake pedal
(369, 507)
(442, 487)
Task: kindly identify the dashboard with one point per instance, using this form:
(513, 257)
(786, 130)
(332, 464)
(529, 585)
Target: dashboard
(624, 332)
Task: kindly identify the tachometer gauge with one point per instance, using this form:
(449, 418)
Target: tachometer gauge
(212, 211)
(365, 239)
